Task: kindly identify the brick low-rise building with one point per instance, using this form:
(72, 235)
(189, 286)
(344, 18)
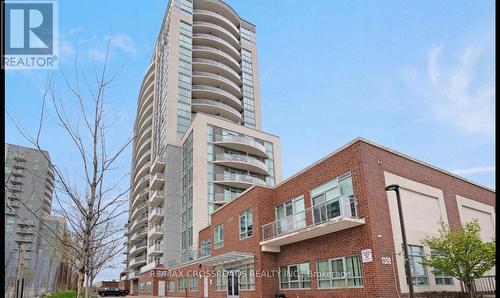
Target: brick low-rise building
(329, 231)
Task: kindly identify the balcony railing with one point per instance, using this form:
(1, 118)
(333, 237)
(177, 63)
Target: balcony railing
(242, 158)
(218, 16)
(313, 216)
(236, 88)
(220, 53)
(230, 46)
(218, 64)
(240, 178)
(242, 140)
(191, 255)
(222, 197)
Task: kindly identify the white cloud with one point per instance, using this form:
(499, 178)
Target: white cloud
(122, 42)
(474, 170)
(454, 90)
(75, 30)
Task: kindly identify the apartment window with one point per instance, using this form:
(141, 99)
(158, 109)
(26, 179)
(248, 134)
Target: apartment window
(141, 286)
(181, 285)
(171, 286)
(219, 236)
(246, 224)
(247, 277)
(148, 286)
(285, 222)
(340, 273)
(295, 276)
(326, 198)
(192, 284)
(439, 277)
(418, 271)
(205, 247)
(221, 281)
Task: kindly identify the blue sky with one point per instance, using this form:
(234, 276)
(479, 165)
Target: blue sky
(416, 76)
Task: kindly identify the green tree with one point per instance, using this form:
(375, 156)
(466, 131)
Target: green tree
(461, 254)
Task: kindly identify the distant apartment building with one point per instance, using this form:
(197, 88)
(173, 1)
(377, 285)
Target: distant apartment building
(331, 230)
(29, 185)
(198, 140)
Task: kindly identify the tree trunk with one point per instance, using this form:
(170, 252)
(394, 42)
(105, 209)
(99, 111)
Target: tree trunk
(79, 284)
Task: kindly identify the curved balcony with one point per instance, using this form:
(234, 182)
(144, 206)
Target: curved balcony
(141, 184)
(139, 261)
(146, 90)
(157, 197)
(213, 17)
(139, 210)
(148, 110)
(157, 181)
(147, 122)
(138, 248)
(216, 54)
(139, 222)
(155, 215)
(155, 232)
(241, 144)
(238, 180)
(216, 42)
(208, 28)
(140, 199)
(143, 136)
(216, 108)
(139, 235)
(145, 103)
(220, 7)
(213, 66)
(209, 92)
(214, 79)
(144, 170)
(142, 149)
(244, 162)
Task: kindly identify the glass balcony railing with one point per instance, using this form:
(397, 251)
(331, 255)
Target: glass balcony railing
(316, 215)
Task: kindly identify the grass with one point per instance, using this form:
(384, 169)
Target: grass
(66, 294)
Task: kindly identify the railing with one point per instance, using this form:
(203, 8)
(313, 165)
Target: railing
(156, 211)
(217, 27)
(221, 197)
(156, 228)
(136, 260)
(218, 64)
(159, 176)
(158, 193)
(26, 239)
(191, 255)
(216, 104)
(218, 39)
(218, 90)
(25, 231)
(139, 245)
(318, 214)
(239, 177)
(242, 158)
(217, 15)
(17, 172)
(157, 247)
(219, 52)
(218, 77)
(240, 139)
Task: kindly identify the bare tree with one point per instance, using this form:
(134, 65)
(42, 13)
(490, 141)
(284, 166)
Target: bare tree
(92, 200)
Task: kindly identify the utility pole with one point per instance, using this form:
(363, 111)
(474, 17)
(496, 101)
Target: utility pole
(20, 271)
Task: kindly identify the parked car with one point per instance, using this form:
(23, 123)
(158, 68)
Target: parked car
(112, 292)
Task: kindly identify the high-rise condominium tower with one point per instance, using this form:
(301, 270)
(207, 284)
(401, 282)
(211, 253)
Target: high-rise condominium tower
(29, 183)
(198, 141)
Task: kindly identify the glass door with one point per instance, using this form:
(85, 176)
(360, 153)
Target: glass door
(233, 287)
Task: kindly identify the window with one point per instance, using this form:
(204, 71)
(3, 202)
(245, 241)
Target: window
(193, 284)
(295, 277)
(247, 277)
(171, 286)
(418, 271)
(205, 247)
(246, 225)
(148, 286)
(221, 281)
(327, 199)
(340, 273)
(285, 221)
(439, 277)
(219, 236)
(181, 285)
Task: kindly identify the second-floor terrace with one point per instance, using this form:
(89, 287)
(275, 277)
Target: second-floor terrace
(334, 215)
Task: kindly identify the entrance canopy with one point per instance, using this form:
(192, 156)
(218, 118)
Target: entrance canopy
(229, 257)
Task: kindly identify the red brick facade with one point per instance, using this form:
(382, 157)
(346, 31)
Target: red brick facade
(366, 162)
